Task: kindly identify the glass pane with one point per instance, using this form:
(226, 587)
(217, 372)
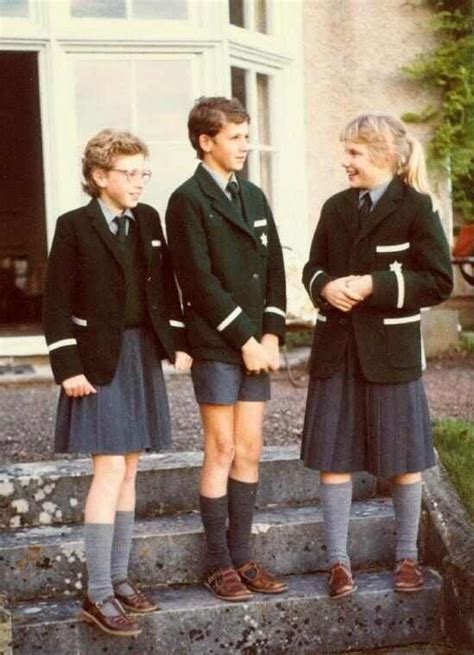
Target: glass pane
(263, 105)
(238, 87)
(160, 9)
(14, 8)
(236, 12)
(171, 165)
(261, 16)
(112, 107)
(266, 174)
(164, 98)
(98, 9)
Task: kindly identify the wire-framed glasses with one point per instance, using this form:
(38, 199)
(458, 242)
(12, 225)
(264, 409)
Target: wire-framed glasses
(135, 174)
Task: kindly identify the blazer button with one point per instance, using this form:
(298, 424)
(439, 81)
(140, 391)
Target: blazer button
(255, 276)
(148, 279)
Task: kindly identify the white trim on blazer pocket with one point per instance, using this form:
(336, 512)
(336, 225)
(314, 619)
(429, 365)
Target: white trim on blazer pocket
(79, 321)
(414, 318)
(177, 324)
(156, 243)
(321, 317)
(260, 223)
(394, 247)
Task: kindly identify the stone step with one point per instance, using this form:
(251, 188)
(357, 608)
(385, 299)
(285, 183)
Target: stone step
(45, 562)
(53, 493)
(192, 622)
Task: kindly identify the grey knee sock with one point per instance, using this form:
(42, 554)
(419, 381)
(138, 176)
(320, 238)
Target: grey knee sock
(336, 500)
(407, 504)
(214, 513)
(241, 507)
(98, 539)
(122, 544)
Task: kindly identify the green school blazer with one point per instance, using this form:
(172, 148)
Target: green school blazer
(230, 270)
(403, 246)
(83, 311)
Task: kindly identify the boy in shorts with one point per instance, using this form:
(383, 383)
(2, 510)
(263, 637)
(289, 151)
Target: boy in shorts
(229, 263)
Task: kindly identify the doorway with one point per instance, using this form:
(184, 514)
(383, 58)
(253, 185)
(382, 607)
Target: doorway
(23, 247)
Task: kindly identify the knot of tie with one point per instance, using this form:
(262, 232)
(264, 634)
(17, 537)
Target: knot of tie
(121, 222)
(233, 188)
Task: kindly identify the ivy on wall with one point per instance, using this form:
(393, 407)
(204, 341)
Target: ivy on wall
(448, 72)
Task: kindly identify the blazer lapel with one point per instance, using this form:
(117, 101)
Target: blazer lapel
(145, 230)
(248, 206)
(386, 206)
(348, 210)
(219, 200)
(100, 226)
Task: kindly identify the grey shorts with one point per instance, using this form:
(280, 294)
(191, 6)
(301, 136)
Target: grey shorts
(221, 383)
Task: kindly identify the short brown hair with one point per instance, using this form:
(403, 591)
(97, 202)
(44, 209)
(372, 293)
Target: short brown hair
(209, 115)
(101, 151)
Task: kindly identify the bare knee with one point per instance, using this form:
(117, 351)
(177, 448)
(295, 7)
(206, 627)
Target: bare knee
(109, 471)
(131, 468)
(248, 454)
(220, 450)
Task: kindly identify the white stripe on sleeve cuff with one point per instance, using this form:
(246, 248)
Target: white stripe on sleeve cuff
(311, 283)
(274, 310)
(177, 324)
(227, 321)
(62, 344)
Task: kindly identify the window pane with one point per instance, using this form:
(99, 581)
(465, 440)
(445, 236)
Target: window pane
(263, 109)
(163, 98)
(261, 16)
(98, 8)
(236, 12)
(237, 81)
(160, 9)
(111, 107)
(266, 174)
(14, 8)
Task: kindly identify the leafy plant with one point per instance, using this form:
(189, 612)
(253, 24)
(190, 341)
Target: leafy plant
(448, 72)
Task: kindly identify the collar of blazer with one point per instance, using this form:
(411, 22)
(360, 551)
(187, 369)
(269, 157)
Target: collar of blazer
(387, 204)
(100, 226)
(221, 203)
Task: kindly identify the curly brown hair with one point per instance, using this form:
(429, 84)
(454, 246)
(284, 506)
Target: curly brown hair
(101, 151)
(209, 115)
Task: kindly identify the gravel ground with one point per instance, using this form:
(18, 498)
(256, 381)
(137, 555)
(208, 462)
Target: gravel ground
(28, 410)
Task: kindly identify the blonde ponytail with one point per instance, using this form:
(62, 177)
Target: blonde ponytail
(413, 169)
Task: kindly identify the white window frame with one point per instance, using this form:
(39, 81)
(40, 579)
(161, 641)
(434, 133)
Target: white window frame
(57, 37)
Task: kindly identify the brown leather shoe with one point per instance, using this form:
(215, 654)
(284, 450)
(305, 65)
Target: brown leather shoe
(226, 585)
(133, 599)
(109, 616)
(408, 576)
(256, 578)
(340, 581)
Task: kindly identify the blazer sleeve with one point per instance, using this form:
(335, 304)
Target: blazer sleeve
(170, 289)
(274, 312)
(427, 280)
(190, 254)
(58, 304)
(315, 275)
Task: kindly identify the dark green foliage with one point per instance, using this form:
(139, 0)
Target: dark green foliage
(448, 72)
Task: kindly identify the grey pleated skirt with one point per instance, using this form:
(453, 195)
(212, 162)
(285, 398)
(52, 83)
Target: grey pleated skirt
(129, 414)
(354, 425)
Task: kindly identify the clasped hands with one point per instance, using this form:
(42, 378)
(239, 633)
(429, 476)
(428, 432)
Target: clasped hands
(344, 293)
(261, 357)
